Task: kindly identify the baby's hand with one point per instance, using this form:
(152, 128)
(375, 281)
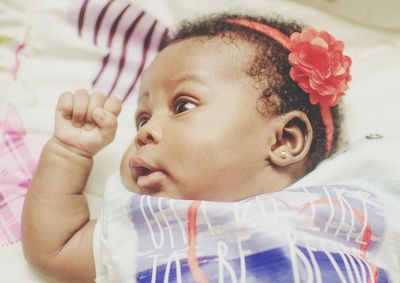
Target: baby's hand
(86, 123)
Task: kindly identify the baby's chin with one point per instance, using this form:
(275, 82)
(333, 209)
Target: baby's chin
(172, 192)
(132, 186)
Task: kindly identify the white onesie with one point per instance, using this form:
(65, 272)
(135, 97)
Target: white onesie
(115, 236)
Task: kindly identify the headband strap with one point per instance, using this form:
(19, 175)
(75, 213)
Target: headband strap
(318, 66)
(275, 34)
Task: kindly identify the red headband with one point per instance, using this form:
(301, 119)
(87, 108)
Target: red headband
(318, 66)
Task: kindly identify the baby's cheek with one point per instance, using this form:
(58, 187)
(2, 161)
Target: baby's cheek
(127, 179)
(125, 172)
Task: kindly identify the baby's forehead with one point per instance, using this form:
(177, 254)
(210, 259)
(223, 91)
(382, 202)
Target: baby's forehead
(220, 47)
(225, 56)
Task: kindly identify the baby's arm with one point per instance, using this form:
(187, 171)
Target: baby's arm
(56, 230)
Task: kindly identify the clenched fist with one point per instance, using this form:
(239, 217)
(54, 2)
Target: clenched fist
(86, 123)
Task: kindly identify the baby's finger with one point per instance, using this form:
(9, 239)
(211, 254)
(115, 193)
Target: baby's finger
(81, 103)
(97, 99)
(113, 105)
(106, 121)
(65, 104)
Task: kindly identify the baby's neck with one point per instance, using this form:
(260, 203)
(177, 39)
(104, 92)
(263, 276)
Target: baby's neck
(273, 179)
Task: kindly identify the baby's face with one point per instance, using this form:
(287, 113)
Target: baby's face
(200, 135)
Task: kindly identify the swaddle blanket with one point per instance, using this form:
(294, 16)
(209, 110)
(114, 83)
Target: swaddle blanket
(332, 233)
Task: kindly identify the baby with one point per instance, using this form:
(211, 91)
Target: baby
(232, 107)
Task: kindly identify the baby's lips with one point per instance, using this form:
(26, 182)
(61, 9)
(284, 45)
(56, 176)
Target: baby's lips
(139, 167)
(152, 181)
(139, 171)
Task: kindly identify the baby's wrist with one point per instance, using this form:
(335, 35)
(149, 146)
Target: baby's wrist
(65, 150)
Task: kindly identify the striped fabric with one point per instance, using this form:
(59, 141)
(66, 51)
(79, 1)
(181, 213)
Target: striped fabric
(17, 165)
(131, 36)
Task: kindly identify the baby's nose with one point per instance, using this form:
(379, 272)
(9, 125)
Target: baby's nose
(147, 134)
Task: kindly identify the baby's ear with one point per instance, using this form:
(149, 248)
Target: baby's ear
(293, 133)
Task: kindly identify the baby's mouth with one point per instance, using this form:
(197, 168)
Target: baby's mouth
(146, 177)
(142, 171)
(150, 180)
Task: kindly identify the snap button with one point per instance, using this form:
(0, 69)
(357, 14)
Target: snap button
(374, 136)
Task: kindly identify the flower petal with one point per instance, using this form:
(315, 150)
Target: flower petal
(319, 66)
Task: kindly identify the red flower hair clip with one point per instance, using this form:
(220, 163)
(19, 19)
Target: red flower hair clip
(318, 66)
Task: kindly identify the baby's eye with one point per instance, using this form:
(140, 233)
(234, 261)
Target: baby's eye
(141, 121)
(183, 105)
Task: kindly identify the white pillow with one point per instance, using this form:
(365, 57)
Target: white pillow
(375, 160)
(379, 14)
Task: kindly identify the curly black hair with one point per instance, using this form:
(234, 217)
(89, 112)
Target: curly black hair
(280, 93)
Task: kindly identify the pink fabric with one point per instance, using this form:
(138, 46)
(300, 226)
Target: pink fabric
(18, 50)
(18, 158)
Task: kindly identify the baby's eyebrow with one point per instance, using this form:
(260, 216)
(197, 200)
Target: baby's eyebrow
(188, 77)
(143, 96)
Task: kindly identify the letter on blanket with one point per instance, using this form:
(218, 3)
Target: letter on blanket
(179, 222)
(299, 261)
(157, 245)
(173, 257)
(242, 256)
(222, 263)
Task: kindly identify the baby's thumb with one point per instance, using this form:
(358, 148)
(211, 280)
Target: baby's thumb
(105, 120)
